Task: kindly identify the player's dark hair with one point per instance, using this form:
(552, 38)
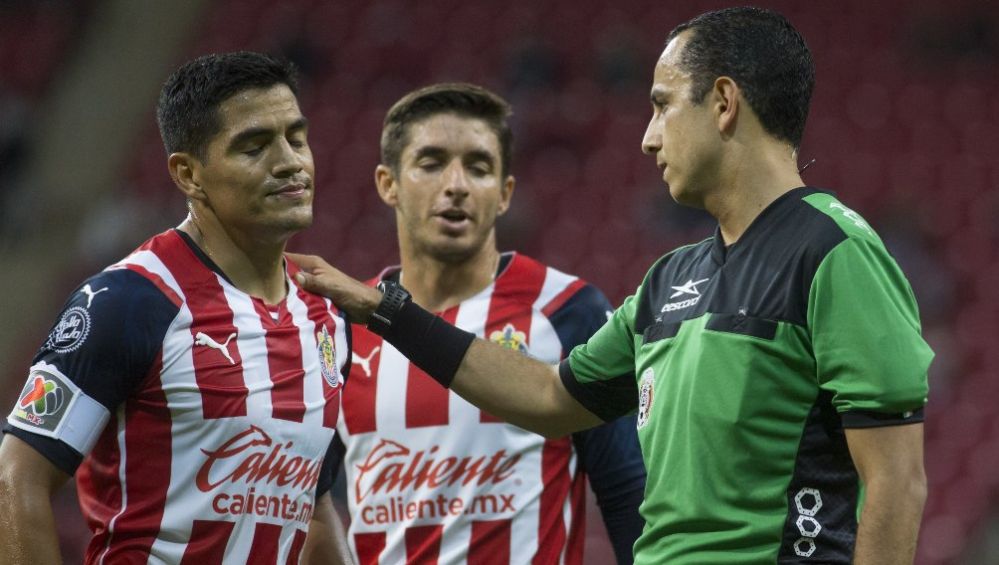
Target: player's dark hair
(462, 99)
(187, 111)
(766, 57)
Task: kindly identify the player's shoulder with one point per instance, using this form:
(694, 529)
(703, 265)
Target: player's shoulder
(119, 287)
(113, 298)
(558, 289)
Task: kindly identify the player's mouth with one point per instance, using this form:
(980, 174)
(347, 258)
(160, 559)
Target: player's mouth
(291, 191)
(453, 219)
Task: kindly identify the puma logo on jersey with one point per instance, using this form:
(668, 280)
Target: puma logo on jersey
(91, 293)
(365, 363)
(203, 339)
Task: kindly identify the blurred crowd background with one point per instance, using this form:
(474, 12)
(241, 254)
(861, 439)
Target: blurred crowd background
(904, 126)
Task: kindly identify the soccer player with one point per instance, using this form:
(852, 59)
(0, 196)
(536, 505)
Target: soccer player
(777, 368)
(193, 387)
(430, 477)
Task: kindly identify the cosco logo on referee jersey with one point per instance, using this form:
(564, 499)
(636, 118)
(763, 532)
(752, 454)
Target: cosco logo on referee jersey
(808, 502)
(688, 291)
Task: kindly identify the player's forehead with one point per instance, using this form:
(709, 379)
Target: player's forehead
(272, 107)
(452, 132)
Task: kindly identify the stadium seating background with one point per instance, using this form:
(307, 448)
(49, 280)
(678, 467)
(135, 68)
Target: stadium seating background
(904, 127)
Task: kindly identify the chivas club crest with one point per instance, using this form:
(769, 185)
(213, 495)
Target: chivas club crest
(327, 357)
(510, 338)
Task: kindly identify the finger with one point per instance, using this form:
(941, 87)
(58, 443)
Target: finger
(308, 262)
(312, 283)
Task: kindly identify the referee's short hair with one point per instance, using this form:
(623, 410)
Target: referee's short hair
(766, 57)
(462, 99)
(187, 112)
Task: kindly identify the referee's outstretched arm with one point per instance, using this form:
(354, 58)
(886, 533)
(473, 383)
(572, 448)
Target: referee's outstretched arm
(513, 386)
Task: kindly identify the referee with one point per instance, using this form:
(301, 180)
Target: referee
(777, 368)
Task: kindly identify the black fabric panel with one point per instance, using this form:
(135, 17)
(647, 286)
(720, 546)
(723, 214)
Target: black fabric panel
(660, 330)
(768, 273)
(331, 464)
(686, 262)
(872, 419)
(608, 399)
(350, 346)
(742, 324)
(824, 466)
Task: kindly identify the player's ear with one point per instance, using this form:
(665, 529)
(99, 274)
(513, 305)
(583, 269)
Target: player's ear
(506, 195)
(386, 185)
(184, 170)
(725, 102)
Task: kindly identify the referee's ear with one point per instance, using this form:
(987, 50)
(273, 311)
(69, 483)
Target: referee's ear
(387, 186)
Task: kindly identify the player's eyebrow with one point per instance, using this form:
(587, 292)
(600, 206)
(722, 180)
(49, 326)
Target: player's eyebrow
(250, 133)
(482, 155)
(430, 151)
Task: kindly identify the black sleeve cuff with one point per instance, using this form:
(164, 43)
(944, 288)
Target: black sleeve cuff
(872, 419)
(608, 399)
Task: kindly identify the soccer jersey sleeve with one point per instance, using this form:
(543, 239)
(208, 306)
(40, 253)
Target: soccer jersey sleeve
(104, 343)
(865, 333)
(600, 373)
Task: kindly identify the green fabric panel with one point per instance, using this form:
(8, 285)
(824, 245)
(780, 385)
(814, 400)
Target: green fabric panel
(864, 324)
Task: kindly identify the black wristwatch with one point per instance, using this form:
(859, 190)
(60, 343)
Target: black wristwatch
(393, 298)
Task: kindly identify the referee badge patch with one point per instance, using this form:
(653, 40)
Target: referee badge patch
(646, 392)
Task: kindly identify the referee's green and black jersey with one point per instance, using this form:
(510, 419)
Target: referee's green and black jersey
(745, 364)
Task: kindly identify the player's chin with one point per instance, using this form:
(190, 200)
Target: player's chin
(454, 250)
(295, 220)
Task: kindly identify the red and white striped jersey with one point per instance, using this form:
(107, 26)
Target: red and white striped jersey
(212, 411)
(433, 479)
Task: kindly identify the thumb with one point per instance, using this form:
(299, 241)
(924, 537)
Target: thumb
(303, 278)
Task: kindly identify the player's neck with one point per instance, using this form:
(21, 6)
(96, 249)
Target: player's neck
(254, 266)
(438, 285)
(749, 185)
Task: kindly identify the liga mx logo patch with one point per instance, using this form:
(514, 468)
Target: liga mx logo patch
(510, 338)
(646, 392)
(42, 401)
(327, 357)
